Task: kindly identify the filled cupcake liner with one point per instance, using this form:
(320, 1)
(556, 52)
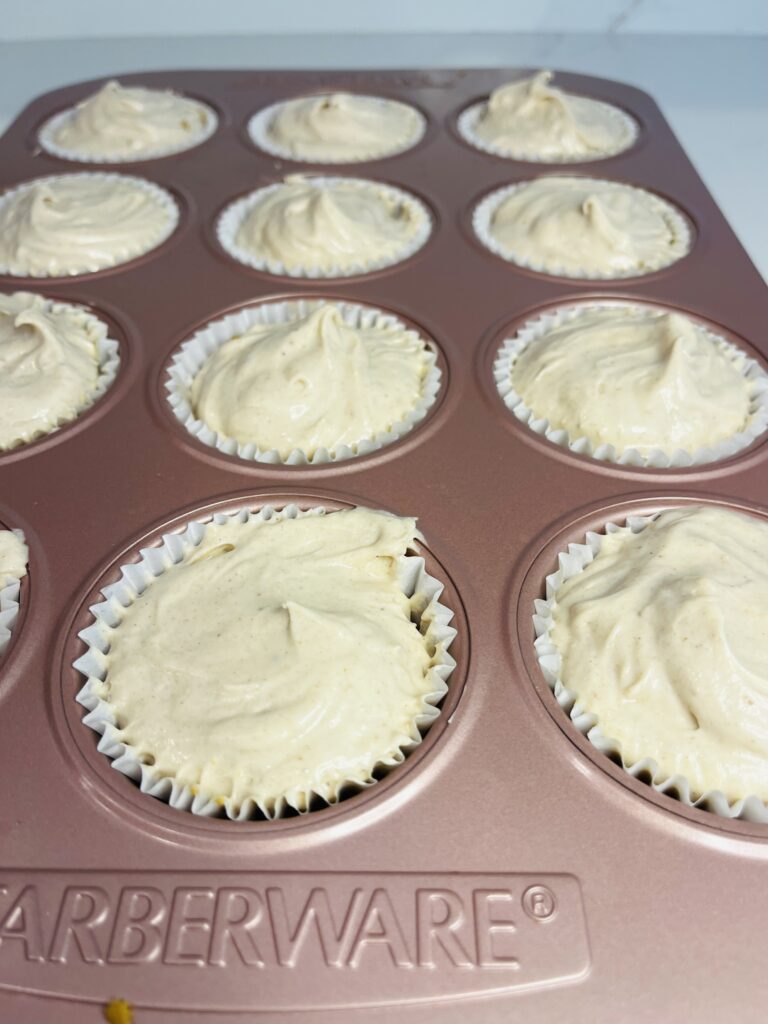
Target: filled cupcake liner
(432, 617)
(260, 122)
(10, 601)
(572, 562)
(512, 348)
(234, 215)
(195, 352)
(468, 119)
(483, 214)
(108, 358)
(47, 139)
(164, 200)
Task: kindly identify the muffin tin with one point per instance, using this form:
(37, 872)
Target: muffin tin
(507, 871)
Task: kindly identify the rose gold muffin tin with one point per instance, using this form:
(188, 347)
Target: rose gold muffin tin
(506, 871)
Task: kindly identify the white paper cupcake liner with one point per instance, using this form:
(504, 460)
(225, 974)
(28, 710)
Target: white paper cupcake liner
(433, 618)
(128, 253)
(47, 139)
(468, 119)
(108, 358)
(10, 591)
(572, 562)
(195, 352)
(233, 216)
(482, 218)
(512, 348)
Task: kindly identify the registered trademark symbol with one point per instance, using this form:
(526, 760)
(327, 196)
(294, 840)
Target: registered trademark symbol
(539, 903)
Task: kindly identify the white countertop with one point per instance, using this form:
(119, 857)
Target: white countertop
(713, 89)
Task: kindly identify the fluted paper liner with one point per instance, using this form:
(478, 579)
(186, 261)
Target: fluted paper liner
(163, 198)
(234, 215)
(482, 218)
(10, 591)
(468, 119)
(512, 348)
(433, 619)
(571, 562)
(194, 353)
(260, 122)
(47, 139)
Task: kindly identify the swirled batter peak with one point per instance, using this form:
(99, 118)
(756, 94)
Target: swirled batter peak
(49, 365)
(311, 382)
(532, 119)
(634, 377)
(343, 127)
(277, 660)
(337, 225)
(79, 223)
(130, 123)
(586, 227)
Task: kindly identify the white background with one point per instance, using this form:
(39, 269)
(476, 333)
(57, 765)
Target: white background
(60, 19)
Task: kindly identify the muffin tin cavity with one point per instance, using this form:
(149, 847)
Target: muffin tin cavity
(435, 610)
(194, 354)
(563, 557)
(735, 350)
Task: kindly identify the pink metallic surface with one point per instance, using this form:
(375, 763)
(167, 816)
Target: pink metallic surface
(506, 872)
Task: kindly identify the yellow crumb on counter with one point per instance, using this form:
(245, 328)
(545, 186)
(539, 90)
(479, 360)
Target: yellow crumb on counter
(118, 1011)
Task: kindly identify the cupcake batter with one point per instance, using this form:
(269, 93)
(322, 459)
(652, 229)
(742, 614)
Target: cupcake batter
(49, 365)
(664, 637)
(311, 383)
(79, 223)
(345, 224)
(129, 122)
(534, 119)
(635, 378)
(14, 555)
(585, 227)
(278, 659)
(344, 127)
